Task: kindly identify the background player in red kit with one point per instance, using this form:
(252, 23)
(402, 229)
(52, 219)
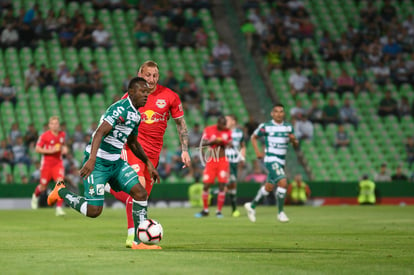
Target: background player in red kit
(51, 144)
(161, 103)
(216, 137)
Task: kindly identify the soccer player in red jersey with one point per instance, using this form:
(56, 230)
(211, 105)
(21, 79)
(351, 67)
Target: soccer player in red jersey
(51, 144)
(161, 104)
(217, 137)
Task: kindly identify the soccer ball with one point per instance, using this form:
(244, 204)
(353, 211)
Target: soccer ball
(150, 231)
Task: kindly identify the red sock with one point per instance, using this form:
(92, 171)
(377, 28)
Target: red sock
(121, 196)
(130, 218)
(220, 200)
(59, 203)
(205, 199)
(37, 191)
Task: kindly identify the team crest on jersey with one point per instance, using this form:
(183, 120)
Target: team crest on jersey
(161, 103)
(225, 136)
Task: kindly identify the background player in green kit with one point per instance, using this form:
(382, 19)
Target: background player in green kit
(235, 153)
(277, 134)
(103, 163)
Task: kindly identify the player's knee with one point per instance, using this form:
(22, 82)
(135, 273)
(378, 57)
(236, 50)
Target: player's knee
(94, 212)
(282, 183)
(138, 193)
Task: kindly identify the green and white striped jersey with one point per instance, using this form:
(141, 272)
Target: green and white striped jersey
(233, 153)
(125, 120)
(276, 140)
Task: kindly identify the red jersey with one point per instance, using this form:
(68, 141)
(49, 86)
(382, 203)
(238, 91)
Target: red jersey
(154, 116)
(48, 140)
(211, 133)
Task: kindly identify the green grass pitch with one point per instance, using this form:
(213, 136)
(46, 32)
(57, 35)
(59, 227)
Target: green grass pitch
(317, 240)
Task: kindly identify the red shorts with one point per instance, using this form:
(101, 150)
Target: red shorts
(55, 172)
(216, 169)
(140, 168)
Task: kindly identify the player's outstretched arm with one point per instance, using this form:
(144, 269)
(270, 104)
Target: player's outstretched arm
(259, 153)
(136, 148)
(294, 141)
(89, 165)
(183, 135)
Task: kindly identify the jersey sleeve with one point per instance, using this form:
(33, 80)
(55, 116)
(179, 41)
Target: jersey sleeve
(176, 108)
(260, 130)
(40, 141)
(115, 114)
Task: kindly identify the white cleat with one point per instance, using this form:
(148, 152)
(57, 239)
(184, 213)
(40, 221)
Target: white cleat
(282, 217)
(35, 201)
(60, 212)
(251, 213)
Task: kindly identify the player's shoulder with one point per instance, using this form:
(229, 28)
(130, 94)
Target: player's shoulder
(165, 91)
(287, 124)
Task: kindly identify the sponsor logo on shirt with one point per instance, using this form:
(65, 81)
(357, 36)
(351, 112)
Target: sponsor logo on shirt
(150, 116)
(161, 103)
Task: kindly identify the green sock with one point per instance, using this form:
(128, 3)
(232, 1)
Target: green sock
(260, 194)
(280, 196)
(139, 213)
(77, 202)
(233, 199)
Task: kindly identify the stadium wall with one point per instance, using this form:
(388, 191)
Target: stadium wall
(322, 192)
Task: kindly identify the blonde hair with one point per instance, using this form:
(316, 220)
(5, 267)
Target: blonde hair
(54, 118)
(148, 63)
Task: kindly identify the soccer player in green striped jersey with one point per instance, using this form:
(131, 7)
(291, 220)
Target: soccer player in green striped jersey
(103, 163)
(277, 134)
(235, 154)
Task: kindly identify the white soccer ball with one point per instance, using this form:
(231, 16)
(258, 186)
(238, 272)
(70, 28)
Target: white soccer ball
(150, 231)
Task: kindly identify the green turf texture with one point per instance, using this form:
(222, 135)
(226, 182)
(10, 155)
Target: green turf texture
(317, 240)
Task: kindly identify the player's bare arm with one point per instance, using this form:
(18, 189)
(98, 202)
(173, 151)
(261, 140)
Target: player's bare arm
(137, 149)
(294, 141)
(89, 165)
(243, 151)
(46, 151)
(183, 135)
(259, 153)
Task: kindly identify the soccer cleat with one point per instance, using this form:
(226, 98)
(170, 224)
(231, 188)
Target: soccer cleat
(203, 213)
(235, 214)
(144, 246)
(129, 241)
(219, 215)
(35, 201)
(251, 213)
(60, 212)
(282, 217)
(54, 195)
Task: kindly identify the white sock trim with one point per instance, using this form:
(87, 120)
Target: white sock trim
(142, 203)
(263, 191)
(131, 231)
(84, 208)
(281, 190)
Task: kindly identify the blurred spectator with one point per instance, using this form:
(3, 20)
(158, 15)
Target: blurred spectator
(257, 175)
(346, 49)
(201, 37)
(366, 191)
(388, 105)
(330, 112)
(30, 77)
(404, 108)
(213, 107)
(399, 175)
(190, 91)
(95, 77)
(348, 113)
(178, 18)
(298, 82)
(31, 136)
(194, 22)
(329, 83)
(409, 150)
(399, 73)
(185, 38)
(150, 20)
(101, 37)
(194, 136)
(383, 175)
(329, 53)
(20, 152)
(342, 138)
(9, 37)
(273, 59)
(51, 22)
(306, 60)
(388, 11)
(78, 138)
(46, 77)
(361, 82)
(62, 69)
(66, 84)
(210, 68)
(164, 164)
(249, 127)
(82, 81)
(345, 83)
(315, 112)
(298, 191)
(14, 133)
(297, 110)
(315, 81)
(6, 154)
(249, 32)
(288, 60)
(220, 50)
(35, 175)
(92, 128)
(171, 81)
(8, 92)
(83, 36)
(382, 73)
(303, 128)
(66, 35)
(169, 35)
(143, 36)
(306, 29)
(226, 67)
